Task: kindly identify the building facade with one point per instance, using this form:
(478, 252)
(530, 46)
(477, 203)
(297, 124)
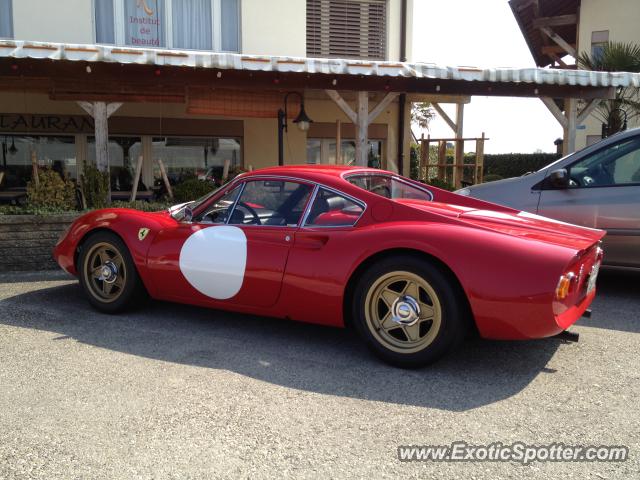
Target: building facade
(601, 22)
(195, 133)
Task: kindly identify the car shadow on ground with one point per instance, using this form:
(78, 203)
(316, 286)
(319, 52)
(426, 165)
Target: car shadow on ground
(295, 355)
(617, 297)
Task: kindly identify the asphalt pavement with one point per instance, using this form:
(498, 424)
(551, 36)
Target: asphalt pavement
(171, 391)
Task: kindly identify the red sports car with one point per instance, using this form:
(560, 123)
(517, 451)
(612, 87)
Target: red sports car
(413, 268)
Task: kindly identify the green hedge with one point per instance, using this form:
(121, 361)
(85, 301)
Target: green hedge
(508, 165)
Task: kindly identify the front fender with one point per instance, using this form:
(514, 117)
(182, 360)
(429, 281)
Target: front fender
(126, 223)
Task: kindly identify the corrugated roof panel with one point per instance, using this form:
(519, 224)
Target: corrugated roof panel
(230, 61)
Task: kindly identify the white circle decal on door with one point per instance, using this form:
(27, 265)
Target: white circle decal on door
(213, 260)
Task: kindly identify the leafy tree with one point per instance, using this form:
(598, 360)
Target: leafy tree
(616, 57)
(422, 113)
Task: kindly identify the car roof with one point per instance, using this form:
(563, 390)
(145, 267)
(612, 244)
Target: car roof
(314, 172)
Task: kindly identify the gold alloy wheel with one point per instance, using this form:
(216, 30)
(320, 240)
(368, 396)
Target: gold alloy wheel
(104, 272)
(403, 312)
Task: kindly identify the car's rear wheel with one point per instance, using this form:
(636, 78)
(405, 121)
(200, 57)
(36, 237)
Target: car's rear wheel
(107, 273)
(408, 311)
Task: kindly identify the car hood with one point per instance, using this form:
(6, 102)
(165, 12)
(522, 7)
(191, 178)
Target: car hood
(516, 223)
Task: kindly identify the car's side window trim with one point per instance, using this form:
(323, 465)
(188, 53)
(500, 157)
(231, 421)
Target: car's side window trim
(235, 202)
(307, 209)
(357, 201)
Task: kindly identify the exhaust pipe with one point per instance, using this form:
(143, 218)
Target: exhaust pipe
(568, 336)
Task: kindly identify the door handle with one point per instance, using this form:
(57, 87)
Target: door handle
(312, 242)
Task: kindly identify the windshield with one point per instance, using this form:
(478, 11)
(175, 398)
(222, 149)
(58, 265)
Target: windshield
(389, 186)
(207, 196)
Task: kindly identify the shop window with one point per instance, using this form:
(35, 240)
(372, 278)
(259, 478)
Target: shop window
(191, 21)
(189, 157)
(6, 19)
(185, 24)
(58, 153)
(324, 151)
(123, 158)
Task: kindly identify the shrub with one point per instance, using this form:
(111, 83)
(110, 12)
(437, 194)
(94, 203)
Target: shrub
(492, 177)
(95, 186)
(191, 190)
(436, 182)
(142, 205)
(32, 210)
(52, 191)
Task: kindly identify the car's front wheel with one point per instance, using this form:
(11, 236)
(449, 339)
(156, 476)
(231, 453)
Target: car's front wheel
(408, 311)
(107, 273)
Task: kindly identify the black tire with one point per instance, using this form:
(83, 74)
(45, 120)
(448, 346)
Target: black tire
(131, 288)
(435, 336)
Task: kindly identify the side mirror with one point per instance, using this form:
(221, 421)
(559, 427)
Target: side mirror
(559, 178)
(184, 214)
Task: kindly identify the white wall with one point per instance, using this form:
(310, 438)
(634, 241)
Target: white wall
(63, 21)
(274, 27)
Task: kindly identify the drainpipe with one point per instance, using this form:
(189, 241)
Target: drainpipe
(403, 97)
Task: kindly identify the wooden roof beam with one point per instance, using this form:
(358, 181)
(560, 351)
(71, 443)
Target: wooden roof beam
(555, 49)
(555, 21)
(568, 48)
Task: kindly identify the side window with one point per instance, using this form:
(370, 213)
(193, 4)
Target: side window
(271, 202)
(219, 211)
(618, 164)
(331, 209)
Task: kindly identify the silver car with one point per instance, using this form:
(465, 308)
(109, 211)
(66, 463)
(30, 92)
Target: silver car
(596, 187)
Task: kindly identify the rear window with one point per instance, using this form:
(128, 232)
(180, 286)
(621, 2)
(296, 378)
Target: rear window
(389, 186)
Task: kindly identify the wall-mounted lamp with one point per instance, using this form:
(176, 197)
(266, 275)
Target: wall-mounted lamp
(12, 149)
(302, 120)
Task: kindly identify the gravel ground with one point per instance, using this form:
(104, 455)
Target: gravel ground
(178, 392)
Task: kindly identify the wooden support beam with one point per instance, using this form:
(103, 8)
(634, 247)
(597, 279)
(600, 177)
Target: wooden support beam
(571, 113)
(136, 179)
(555, 111)
(555, 49)
(384, 103)
(444, 116)
(458, 168)
(442, 160)
(101, 111)
(586, 111)
(339, 142)
(225, 170)
(344, 106)
(569, 49)
(424, 158)
(165, 179)
(480, 159)
(362, 127)
(555, 21)
(558, 60)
